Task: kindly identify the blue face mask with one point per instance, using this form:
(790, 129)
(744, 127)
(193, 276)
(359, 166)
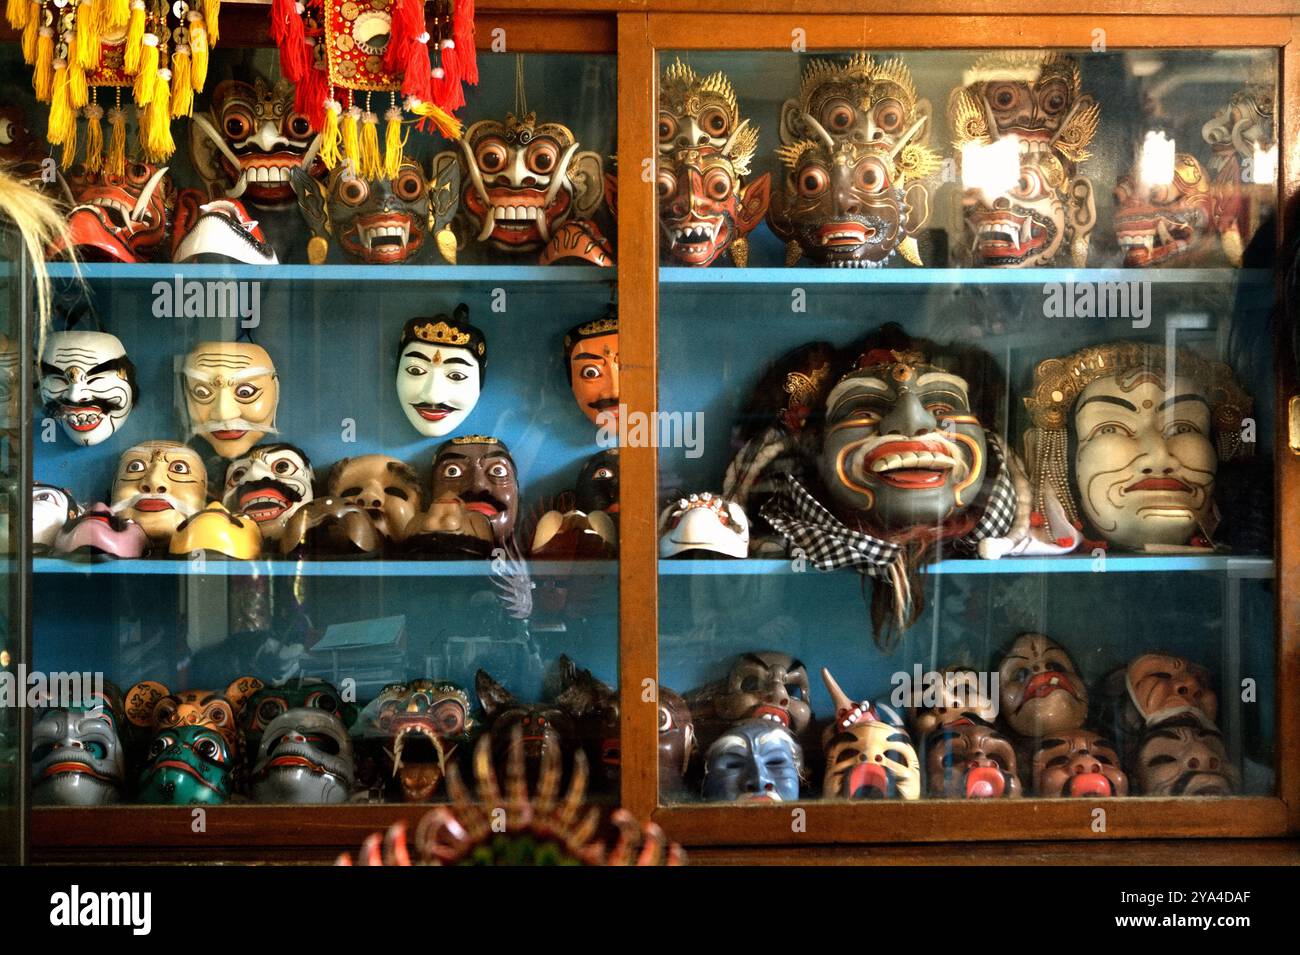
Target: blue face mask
(755, 759)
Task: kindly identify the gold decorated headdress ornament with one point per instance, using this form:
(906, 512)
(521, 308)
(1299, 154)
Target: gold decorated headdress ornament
(1058, 382)
(476, 439)
(861, 68)
(908, 161)
(682, 90)
(440, 333)
(606, 325)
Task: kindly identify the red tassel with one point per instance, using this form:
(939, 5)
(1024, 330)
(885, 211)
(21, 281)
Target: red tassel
(406, 26)
(463, 34)
(455, 96)
(287, 32)
(416, 78)
(309, 97)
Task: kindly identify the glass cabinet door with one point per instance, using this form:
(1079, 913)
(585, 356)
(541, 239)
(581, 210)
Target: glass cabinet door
(967, 437)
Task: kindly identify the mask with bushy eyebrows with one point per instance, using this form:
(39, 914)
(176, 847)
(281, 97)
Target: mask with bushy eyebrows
(754, 760)
(1185, 758)
(971, 760)
(1078, 763)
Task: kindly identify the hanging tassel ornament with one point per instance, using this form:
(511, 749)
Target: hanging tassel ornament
(113, 15)
(463, 34)
(78, 91)
(329, 134)
(147, 78)
(182, 91)
(87, 37)
(29, 32)
(312, 91)
(134, 38)
(406, 25)
(394, 141)
(43, 75)
(115, 161)
(63, 121)
(352, 140)
(415, 79)
(199, 46)
(211, 12)
(94, 137)
(446, 124)
(287, 32)
(454, 95)
(16, 12)
(372, 166)
(156, 120)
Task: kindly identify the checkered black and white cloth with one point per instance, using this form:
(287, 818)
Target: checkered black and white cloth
(812, 530)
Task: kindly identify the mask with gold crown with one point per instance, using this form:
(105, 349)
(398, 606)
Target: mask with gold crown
(864, 100)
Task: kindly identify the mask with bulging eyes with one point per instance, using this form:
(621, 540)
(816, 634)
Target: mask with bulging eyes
(702, 525)
(52, 508)
(971, 760)
(479, 470)
(704, 208)
(1167, 223)
(384, 487)
(1185, 758)
(88, 384)
(764, 685)
(305, 757)
(1077, 763)
(77, 757)
(695, 111)
(1040, 689)
(276, 699)
(532, 728)
(188, 765)
(754, 761)
(863, 99)
(676, 738)
(151, 706)
(232, 394)
(269, 484)
(118, 218)
(158, 485)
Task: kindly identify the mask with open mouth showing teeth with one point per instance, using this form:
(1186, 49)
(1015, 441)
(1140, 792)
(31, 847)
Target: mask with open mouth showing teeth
(1169, 223)
(77, 754)
(269, 484)
(1148, 440)
(232, 392)
(188, 765)
(869, 755)
(704, 208)
(479, 470)
(88, 384)
(158, 485)
(1184, 757)
(305, 757)
(703, 525)
(763, 685)
(296, 693)
(52, 508)
(535, 728)
(861, 99)
(1025, 108)
(118, 218)
(754, 761)
(522, 180)
(1040, 689)
(217, 232)
(1077, 763)
(971, 760)
(250, 139)
(386, 488)
(441, 368)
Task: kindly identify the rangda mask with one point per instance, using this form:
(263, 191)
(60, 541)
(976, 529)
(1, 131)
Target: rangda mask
(77, 757)
(1040, 689)
(88, 384)
(479, 470)
(215, 531)
(971, 760)
(441, 368)
(1077, 763)
(218, 231)
(98, 532)
(305, 756)
(591, 357)
(703, 524)
(52, 508)
(151, 706)
(755, 760)
(765, 685)
(188, 765)
(535, 728)
(232, 392)
(1185, 758)
(158, 485)
(269, 484)
(868, 753)
(119, 218)
(1165, 223)
(386, 488)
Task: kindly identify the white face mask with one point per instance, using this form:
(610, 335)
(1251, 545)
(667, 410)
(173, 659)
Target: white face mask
(51, 509)
(87, 384)
(269, 484)
(438, 386)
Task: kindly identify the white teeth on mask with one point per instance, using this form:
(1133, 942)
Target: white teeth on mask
(847, 234)
(1132, 240)
(860, 263)
(515, 213)
(914, 459)
(371, 233)
(1026, 229)
(1162, 232)
(695, 234)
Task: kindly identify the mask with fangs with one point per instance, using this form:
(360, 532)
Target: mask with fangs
(269, 484)
(1166, 223)
(118, 218)
(589, 529)
(88, 384)
(305, 756)
(536, 729)
(754, 761)
(1040, 688)
(218, 231)
(1077, 763)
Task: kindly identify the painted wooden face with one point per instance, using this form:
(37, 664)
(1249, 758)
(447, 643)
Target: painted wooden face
(971, 760)
(119, 218)
(88, 384)
(384, 487)
(1078, 763)
(864, 99)
(756, 760)
(593, 377)
(1041, 691)
(158, 485)
(1185, 759)
(871, 760)
(703, 206)
(77, 758)
(1165, 223)
(1028, 222)
(1162, 685)
(478, 469)
(232, 392)
(269, 484)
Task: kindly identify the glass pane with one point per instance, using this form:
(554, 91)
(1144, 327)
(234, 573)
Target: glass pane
(971, 354)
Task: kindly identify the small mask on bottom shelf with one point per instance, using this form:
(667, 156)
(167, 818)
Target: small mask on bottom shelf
(1040, 689)
(971, 760)
(543, 726)
(760, 685)
(1077, 763)
(410, 732)
(305, 756)
(77, 756)
(756, 760)
(187, 765)
(869, 755)
(1184, 757)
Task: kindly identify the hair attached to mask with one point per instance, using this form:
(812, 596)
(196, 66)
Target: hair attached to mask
(40, 224)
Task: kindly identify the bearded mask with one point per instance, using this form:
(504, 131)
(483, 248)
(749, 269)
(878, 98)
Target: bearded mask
(441, 367)
(971, 760)
(704, 209)
(52, 508)
(269, 484)
(118, 218)
(188, 765)
(766, 685)
(536, 729)
(1167, 223)
(1185, 758)
(384, 487)
(88, 384)
(1077, 763)
(151, 706)
(158, 485)
(232, 392)
(591, 356)
(478, 469)
(77, 757)
(249, 140)
(1147, 442)
(305, 756)
(755, 760)
(1040, 689)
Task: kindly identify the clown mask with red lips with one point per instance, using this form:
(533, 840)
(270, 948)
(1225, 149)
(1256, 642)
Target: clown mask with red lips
(269, 484)
(118, 218)
(1040, 689)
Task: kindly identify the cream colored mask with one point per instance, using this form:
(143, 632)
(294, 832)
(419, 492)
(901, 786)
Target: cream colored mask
(158, 485)
(231, 394)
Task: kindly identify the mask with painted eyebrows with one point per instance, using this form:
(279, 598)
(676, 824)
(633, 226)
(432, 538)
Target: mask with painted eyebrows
(231, 392)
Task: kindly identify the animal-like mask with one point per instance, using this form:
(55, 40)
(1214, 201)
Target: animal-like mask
(1161, 686)
(119, 218)
(593, 707)
(88, 384)
(305, 756)
(330, 526)
(158, 485)
(1165, 223)
(591, 357)
(97, 532)
(269, 484)
(77, 757)
(704, 208)
(418, 726)
(863, 99)
(590, 528)
(971, 760)
(676, 738)
(755, 760)
(218, 231)
(869, 755)
(214, 530)
(902, 445)
(441, 367)
(297, 693)
(1240, 134)
(386, 488)
(52, 508)
(1185, 758)
(150, 705)
(232, 392)
(522, 180)
(541, 727)
(1040, 689)
(703, 524)
(1241, 127)
(1077, 763)
(698, 112)
(962, 697)
(188, 765)
(479, 470)
(250, 139)
(764, 685)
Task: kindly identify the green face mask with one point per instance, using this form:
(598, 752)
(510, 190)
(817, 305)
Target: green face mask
(187, 765)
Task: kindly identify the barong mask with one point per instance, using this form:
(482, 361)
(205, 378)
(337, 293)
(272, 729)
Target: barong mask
(1078, 763)
(119, 218)
(269, 484)
(441, 368)
(591, 357)
(1040, 689)
(232, 392)
(158, 485)
(1165, 223)
(149, 705)
(1185, 758)
(754, 761)
(478, 469)
(88, 384)
(863, 99)
(190, 764)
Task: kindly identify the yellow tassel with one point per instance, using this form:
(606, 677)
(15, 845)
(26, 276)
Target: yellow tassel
(69, 156)
(16, 12)
(352, 140)
(94, 138)
(447, 124)
(43, 75)
(211, 14)
(146, 79)
(394, 142)
(87, 37)
(182, 91)
(198, 51)
(372, 166)
(115, 161)
(329, 136)
(114, 14)
(29, 32)
(134, 38)
(78, 93)
(61, 116)
(156, 123)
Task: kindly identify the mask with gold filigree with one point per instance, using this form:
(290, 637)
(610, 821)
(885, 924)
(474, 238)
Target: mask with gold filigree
(1239, 135)
(1022, 126)
(1165, 223)
(704, 208)
(851, 205)
(864, 100)
(698, 111)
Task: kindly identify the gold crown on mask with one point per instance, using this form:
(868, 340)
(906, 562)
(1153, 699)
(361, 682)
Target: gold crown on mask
(907, 161)
(441, 333)
(476, 439)
(861, 68)
(683, 91)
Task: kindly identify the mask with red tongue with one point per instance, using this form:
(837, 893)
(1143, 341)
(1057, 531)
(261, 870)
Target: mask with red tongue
(869, 755)
(118, 218)
(971, 760)
(1078, 763)
(1040, 689)
(767, 685)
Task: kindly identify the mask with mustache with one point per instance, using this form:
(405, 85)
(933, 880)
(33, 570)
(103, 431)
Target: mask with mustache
(479, 470)
(591, 357)
(232, 392)
(1078, 763)
(269, 484)
(158, 485)
(88, 384)
(441, 368)
(1185, 758)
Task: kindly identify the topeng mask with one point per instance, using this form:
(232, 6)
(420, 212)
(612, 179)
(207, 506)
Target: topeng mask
(150, 705)
(1185, 758)
(1165, 223)
(329, 526)
(868, 753)
(1077, 763)
(902, 446)
(188, 765)
(597, 488)
(971, 760)
(704, 208)
(98, 532)
(703, 524)
(478, 469)
(386, 488)
(676, 738)
(249, 140)
(951, 696)
(765, 685)
(305, 756)
(218, 231)
(754, 760)
(87, 384)
(449, 529)
(215, 531)
(269, 484)
(522, 180)
(52, 508)
(441, 366)
(158, 485)
(1161, 686)
(77, 757)
(1040, 689)
(118, 218)
(297, 693)
(416, 727)
(232, 392)
(535, 728)
(591, 356)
